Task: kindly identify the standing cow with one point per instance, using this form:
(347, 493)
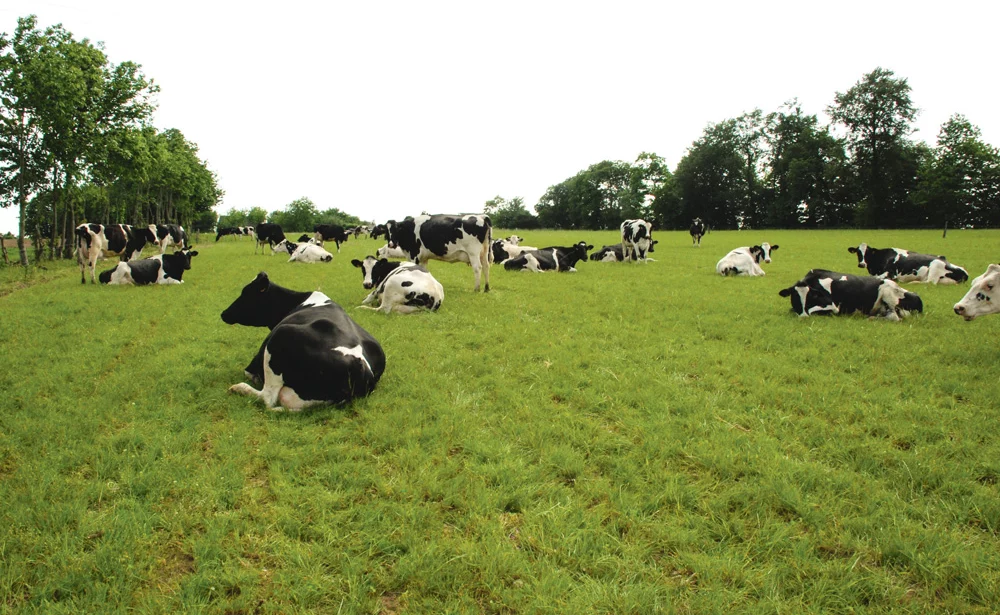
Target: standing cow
(95, 240)
(328, 232)
(697, 231)
(270, 234)
(637, 237)
(314, 354)
(165, 235)
(464, 239)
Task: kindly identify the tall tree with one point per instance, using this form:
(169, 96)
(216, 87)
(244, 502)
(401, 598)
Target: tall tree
(877, 113)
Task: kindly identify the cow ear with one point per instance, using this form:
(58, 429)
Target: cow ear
(195, 253)
(356, 262)
(774, 247)
(852, 250)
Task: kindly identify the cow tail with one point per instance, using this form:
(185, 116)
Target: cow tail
(489, 241)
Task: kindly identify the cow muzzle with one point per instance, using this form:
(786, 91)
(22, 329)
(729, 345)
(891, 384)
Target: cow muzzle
(862, 265)
(368, 285)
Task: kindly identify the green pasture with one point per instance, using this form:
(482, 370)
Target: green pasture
(626, 439)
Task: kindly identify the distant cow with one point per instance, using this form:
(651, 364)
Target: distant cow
(358, 230)
(159, 269)
(328, 232)
(504, 249)
(222, 231)
(615, 254)
(165, 235)
(314, 354)
(697, 231)
(307, 253)
(905, 266)
(95, 240)
(829, 292)
(451, 239)
(979, 300)
(378, 231)
(637, 236)
(550, 259)
(399, 287)
(745, 260)
(270, 234)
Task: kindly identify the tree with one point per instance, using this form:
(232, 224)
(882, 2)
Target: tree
(710, 180)
(298, 216)
(877, 113)
(510, 214)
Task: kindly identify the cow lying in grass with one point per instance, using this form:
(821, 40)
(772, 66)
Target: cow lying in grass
(829, 292)
(159, 269)
(399, 287)
(746, 260)
(550, 259)
(307, 253)
(905, 266)
(314, 354)
(979, 301)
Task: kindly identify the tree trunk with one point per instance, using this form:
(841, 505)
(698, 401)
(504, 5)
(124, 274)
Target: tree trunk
(945, 234)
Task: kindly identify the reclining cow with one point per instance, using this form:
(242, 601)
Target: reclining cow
(159, 269)
(96, 240)
(615, 254)
(905, 266)
(314, 354)
(508, 248)
(400, 287)
(550, 259)
(829, 292)
(979, 301)
(746, 260)
(307, 252)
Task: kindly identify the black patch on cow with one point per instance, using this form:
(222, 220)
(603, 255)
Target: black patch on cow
(406, 284)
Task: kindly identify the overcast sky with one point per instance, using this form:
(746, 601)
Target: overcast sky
(385, 109)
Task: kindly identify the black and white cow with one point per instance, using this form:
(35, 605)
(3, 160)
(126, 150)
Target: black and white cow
(159, 269)
(400, 287)
(378, 231)
(829, 292)
(550, 259)
(358, 230)
(307, 252)
(314, 354)
(697, 231)
(222, 231)
(979, 301)
(270, 234)
(464, 239)
(615, 254)
(330, 232)
(168, 234)
(745, 260)
(504, 249)
(637, 237)
(96, 240)
(905, 266)
(387, 252)
(246, 230)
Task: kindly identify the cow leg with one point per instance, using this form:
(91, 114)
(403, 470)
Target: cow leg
(484, 263)
(270, 392)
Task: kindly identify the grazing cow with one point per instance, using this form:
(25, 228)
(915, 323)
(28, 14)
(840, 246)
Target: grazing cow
(979, 300)
(95, 240)
(829, 292)
(222, 231)
(327, 232)
(550, 259)
(637, 236)
(358, 230)
(307, 253)
(378, 231)
(504, 249)
(745, 260)
(451, 239)
(615, 254)
(246, 230)
(399, 287)
(387, 252)
(270, 234)
(314, 354)
(168, 234)
(159, 269)
(905, 266)
(697, 231)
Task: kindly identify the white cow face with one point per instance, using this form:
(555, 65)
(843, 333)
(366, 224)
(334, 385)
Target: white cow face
(982, 298)
(862, 252)
(366, 266)
(515, 240)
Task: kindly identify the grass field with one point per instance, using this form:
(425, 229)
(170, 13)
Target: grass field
(626, 439)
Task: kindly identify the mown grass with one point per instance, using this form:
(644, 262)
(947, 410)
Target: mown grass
(626, 439)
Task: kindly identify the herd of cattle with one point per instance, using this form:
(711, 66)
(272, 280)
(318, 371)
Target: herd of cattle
(316, 354)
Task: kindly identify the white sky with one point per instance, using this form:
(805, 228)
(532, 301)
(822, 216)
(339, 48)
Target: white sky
(385, 109)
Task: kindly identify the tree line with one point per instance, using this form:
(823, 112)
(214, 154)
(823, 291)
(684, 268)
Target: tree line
(301, 215)
(76, 143)
(787, 170)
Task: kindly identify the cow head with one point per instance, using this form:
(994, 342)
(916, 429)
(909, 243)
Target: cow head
(304, 238)
(185, 256)
(579, 253)
(761, 252)
(291, 247)
(374, 270)
(514, 240)
(261, 304)
(401, 234)
(954, 274)
(979, 301)
(861, 251)
(894, 302)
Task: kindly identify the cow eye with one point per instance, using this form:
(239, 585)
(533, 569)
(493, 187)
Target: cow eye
(989, 286)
